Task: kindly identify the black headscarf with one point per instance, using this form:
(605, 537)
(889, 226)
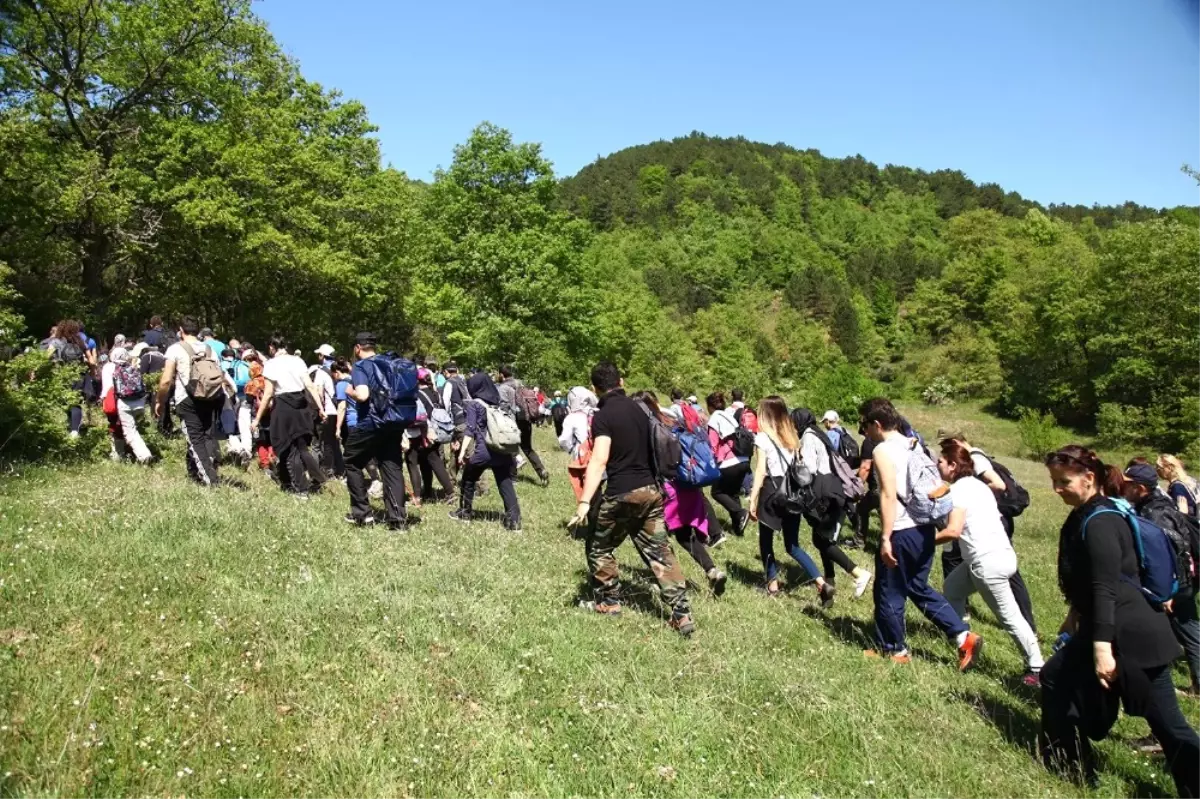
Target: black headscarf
(804, 419)
(481, 387)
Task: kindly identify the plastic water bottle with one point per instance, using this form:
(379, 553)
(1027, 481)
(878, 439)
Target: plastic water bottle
(1060, 641)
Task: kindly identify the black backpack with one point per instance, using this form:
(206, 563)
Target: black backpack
(1015, 499)
(848, 448)
(666, 453)
(794, 496)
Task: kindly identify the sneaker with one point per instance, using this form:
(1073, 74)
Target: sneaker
(969, 652)
(901, 658)
(1148, 745)
(1031, 679)
(861, 583)
(739, 523)
(544, 479)
(683, 625)
(350, 518)
(397, 527)
(73, 434)
(826, 593)
(716, 581)
(512, 527)
(375, 491)
(461, 515)
(604, 608)
(713, 543)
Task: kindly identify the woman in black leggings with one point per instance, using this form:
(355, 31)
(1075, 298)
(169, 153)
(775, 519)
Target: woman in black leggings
(727, 491)
(1120, 647)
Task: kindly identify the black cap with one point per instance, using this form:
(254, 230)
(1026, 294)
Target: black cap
(1142, 473)
(451, 366)
(365, 339)
(205, 332)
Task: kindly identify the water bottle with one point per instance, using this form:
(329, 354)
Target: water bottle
(1060, 641)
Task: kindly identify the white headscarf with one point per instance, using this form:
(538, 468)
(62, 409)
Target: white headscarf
(119, 356)
(581, 399)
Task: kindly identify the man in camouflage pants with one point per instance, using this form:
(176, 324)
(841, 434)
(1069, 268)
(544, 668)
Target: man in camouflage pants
(632, 505)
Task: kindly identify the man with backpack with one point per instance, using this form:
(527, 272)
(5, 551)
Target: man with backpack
(322, 377)
(455, 397)
(193, 378)
(382, 405)
(911, 496)
(526, 409)
(1141, 491)
(632, 505)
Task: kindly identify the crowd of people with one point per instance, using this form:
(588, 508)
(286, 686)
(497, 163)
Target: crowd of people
(639, 469)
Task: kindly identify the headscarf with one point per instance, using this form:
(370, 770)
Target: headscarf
(119, 356)
(481, 387)
(804, 420)
(580, 399)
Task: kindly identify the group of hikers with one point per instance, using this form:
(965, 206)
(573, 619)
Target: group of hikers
(638, 466)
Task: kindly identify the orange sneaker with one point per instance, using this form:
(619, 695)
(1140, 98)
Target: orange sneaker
(901, 658)
(969, 652)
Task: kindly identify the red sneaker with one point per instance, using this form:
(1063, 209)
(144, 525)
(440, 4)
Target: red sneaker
(968, 653)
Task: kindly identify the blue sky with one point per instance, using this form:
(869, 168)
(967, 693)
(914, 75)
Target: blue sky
(1077, 101)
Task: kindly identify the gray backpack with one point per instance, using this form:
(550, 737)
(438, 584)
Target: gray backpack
(502, 434)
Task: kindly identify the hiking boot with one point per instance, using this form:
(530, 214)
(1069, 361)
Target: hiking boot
(604, 608)
(860, 584)
(1031, 679)
(512, 527)
(716, 581)
(461, 515)
(683, 624)
(969, 652)
(825, 593)
(901, 658)
(544, 479)
(350, 518)
(713, 543)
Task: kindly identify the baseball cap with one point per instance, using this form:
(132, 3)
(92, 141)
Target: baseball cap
(831, 416)
(325, 351)
(205, 332)
(451, 366)
(692, 398)
(365, 339)
(1142, 473)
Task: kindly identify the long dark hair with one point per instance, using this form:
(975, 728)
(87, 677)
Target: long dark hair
(1077, 459)
(650, 399)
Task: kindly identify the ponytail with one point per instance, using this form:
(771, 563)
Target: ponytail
(1078, 458)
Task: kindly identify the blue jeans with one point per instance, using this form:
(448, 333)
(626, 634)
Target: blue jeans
(791, 542)
(913, 549)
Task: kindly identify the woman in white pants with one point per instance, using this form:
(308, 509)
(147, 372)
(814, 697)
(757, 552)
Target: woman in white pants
(131, 409)
(988, 557)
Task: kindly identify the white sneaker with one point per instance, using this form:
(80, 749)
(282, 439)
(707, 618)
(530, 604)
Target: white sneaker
(520, 461)
(376, 490)
(74, 434)
(861, 583)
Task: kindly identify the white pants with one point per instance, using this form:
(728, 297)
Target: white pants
(129, 414)
(989, 575)
(240, 443)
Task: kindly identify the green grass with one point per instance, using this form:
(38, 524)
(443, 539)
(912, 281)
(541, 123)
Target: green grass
(158, 639)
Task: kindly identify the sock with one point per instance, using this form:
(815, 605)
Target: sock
(961, 639)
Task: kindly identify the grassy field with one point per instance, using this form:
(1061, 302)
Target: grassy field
(158, 639)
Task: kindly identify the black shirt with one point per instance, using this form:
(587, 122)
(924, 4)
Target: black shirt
(1099, 576)
(867, 453)
(627, 425)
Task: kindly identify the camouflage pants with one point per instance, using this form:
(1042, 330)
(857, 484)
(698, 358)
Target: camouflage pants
(637, 515)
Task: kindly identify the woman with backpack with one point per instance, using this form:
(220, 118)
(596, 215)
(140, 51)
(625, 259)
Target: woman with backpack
(576, 436)
(988, 558)
(66, 347)
(1182, 488)
(733, 445)
(815, 454)
(123, 377)
(425, 451)
(1117, 645)
(684, 511)
(477, 460)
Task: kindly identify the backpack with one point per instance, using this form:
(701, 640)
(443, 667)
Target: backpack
(697, 465)
(558, 414)
(1189, 486)
(691, 419)
(393, 401)
(127, 381)
(439, 421)
(527, 406)
(741, 439)
(852, 487)
(795, 495)
(502, 434)
(924, 479)
(1015, 499)
(747, 418)
(1159, 580)
(206, 380)
(666, 453)
(848, 448)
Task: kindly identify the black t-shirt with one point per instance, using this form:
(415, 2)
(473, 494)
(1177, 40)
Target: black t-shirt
(867, 453)
(629, 460)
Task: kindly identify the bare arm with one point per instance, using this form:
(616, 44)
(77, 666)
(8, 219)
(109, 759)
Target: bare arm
(1182, 504)
(954, 527)
(886, 473)
(760, 476)
(264, 402)
(165, 382)
(315, 393)
(864, 469)
(993, 481)
(601, 449)
(341, 417)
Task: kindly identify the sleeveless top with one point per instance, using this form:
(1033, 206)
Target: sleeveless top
(897, 450)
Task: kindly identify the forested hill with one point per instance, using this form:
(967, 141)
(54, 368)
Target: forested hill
(613, 189)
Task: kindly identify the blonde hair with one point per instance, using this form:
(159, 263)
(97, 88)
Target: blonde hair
(774, 420)
(1170, 467)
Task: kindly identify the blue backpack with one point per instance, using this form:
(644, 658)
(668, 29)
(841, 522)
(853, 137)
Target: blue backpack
(393, 391)
(697, 464)
(1155, 554)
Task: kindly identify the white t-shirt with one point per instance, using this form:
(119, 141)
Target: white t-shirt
(896, 450)
(768, 450)
(286, 372)
(106, 378)
(324, 384)
(981, 463)
(983, 531)
(181, 353)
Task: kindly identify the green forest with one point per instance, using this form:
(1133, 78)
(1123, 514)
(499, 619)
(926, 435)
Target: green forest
(166, 157)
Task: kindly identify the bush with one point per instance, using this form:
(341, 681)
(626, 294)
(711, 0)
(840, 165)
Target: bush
(1040, 434)
(1120, 425)
(841, 388)
(34, 397)
(940, 392)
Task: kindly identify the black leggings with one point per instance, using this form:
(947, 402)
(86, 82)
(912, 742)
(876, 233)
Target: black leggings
(688, 539)
(473, 473)
(425, 463)
(727, 491)
(831, 554)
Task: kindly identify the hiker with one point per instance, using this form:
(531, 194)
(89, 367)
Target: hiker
(154, 336)
(289, 391)
(425, 450)
(632, 505)
(474, 461)
(1140, 489)
(906, 547)
(989, 561)
(1119, 648)
(576, 436)
(370, 439)
(1181, 487)
(192, 377)
(526, 409)
(814, 454)
(130, 393)
(108, 399)
(332, 464)
(866, 473)
(723, 429)
(256, 387)
(987, 471)
(558, 412)
(454, 399)
(237, 371)
(347, 419)
(211, 341)
(832, 423)
(68, 347)
(684, 513)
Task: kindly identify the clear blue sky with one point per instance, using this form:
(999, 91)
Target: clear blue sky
(1076, 101)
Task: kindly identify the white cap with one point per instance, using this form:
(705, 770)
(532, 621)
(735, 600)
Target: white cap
(831, 416)
(693, 399)
(324, 351)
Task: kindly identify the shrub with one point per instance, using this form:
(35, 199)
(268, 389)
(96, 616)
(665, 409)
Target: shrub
(34, 397)
(1120, 425)
(940, 392)
(841, 388)
(1040, 433)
